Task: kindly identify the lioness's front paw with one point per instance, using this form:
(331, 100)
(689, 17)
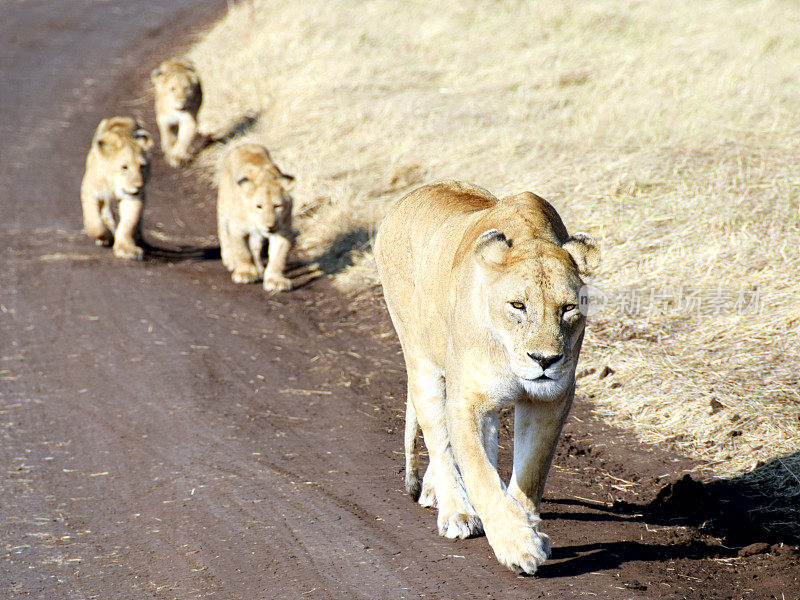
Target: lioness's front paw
(459, 525)
(245, 274)
(128, 251)
(273, 283)
(521, 548)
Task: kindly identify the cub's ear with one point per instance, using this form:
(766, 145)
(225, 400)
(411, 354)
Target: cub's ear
(156, 74)
(143, 139)
(99, 135)
(491, 247)
(585, 251)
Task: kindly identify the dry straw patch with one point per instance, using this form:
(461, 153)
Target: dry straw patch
(672, 139)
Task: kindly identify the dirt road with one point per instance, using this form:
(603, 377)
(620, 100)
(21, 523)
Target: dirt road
(166, 434)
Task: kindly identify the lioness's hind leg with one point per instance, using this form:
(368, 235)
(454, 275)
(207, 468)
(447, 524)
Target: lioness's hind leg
(413, 486)
(428, 496)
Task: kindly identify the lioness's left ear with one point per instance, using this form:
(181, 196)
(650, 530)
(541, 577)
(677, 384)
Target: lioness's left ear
(585, 251)
(156, 74)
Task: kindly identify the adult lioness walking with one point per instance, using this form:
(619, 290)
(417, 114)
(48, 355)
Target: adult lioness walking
(483, 294)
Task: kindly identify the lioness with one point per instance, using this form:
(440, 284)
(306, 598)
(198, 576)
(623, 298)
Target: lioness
(252, 206)
(178, 99)
(117, 168)
(483, 294)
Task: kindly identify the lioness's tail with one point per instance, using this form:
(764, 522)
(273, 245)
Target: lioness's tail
(413, 486)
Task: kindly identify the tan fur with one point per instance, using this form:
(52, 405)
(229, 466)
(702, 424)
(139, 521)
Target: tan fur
(117, 167)
(253, 205)
(178, 99)
(452, 260)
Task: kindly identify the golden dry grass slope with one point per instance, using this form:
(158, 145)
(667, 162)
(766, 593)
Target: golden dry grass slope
(667, 130)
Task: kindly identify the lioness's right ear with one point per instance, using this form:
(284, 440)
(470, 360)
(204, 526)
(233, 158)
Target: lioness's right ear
(156, 74)
(491, 246)
(585, 251)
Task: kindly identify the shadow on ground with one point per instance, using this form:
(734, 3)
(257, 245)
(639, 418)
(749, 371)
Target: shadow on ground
(754, 513)
(341, 252)
(180, 253)
(240, 127)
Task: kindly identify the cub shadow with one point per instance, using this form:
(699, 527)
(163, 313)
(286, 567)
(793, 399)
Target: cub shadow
(762, 505)
(180, 253)
(340, 253)
(240, 127)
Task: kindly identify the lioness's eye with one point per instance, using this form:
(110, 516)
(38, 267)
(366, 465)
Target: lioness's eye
(124, 167)
(568, 307)
(259, 206)
(517, 305)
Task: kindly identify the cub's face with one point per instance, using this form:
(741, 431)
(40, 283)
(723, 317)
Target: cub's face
(177, 85)
(124, 151)
(261, 193)
(532, 304)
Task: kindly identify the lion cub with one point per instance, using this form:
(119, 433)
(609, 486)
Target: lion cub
(252, 206)
(117, 168)
(178, 99)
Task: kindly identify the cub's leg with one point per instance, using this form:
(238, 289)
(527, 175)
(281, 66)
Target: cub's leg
(167, 134)
(108, 216)
(256, 244)
(274, 280)
(457, 518)
(537, 426)
(93, 221)
(187, 128)
(125, 240)
(240, 261)
(512, 532)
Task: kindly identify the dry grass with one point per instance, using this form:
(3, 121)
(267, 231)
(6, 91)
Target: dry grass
(673, 140)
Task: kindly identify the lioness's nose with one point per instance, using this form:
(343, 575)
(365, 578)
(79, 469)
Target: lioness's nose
(545, 361)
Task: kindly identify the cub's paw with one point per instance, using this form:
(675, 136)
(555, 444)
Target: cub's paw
(245, 274)
(177, 160)
(521, 549)
(128, 251)
(459, 525)
(277, 284)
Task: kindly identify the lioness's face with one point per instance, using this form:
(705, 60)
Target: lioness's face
(531, 292)
(261, 193)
